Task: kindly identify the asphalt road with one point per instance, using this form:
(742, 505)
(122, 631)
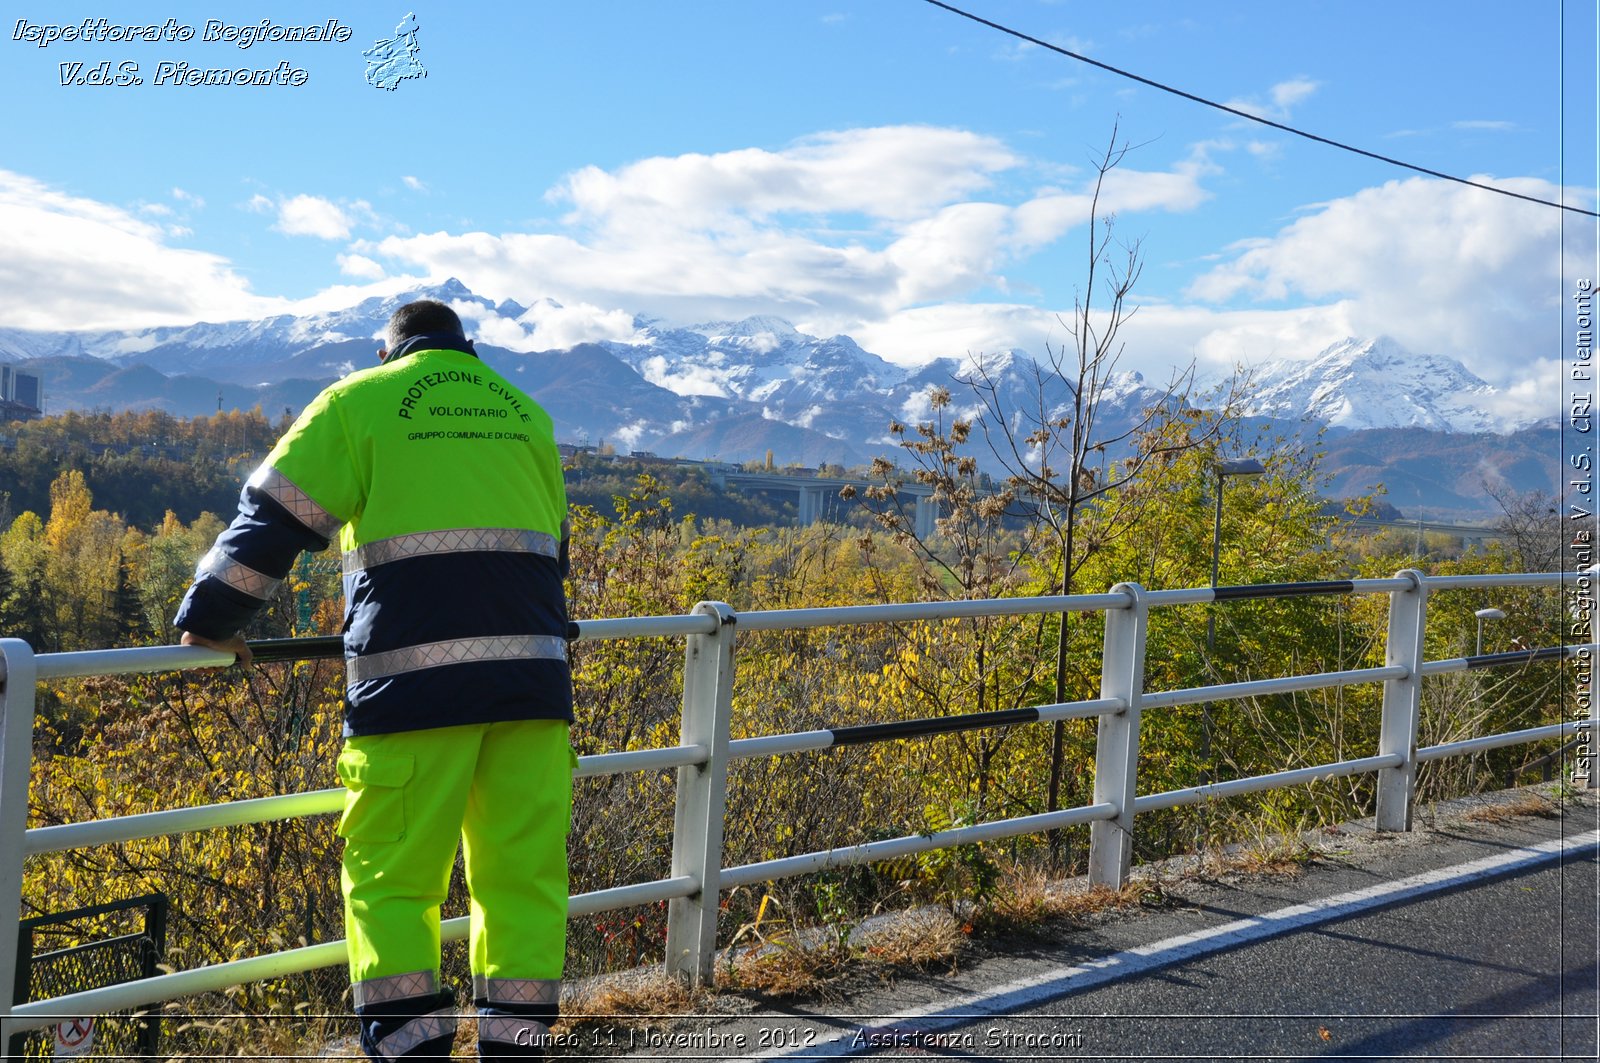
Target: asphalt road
(1474, 939)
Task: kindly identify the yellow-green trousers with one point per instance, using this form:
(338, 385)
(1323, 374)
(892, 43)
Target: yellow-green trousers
(504, 790)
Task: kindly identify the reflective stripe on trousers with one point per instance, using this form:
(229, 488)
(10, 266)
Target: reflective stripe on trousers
(512, 1030)
(539, 992)
(372, 991)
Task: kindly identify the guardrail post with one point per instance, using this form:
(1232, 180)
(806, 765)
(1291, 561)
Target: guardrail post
(1116, 755)
(17, 679)
(1402, 700)
(702, 797)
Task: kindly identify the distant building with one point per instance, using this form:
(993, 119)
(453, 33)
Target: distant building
(21, 395)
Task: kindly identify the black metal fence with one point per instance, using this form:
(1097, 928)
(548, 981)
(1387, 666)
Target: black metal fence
(89, 948)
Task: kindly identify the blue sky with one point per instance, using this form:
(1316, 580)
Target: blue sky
(876, 167)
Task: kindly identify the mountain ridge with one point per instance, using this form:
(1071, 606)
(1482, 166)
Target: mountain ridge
(730, 390)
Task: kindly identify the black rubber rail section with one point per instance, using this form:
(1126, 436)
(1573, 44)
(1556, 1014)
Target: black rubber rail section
(1284, 590)
(316, 648)
(1495, 660)
(972, 721)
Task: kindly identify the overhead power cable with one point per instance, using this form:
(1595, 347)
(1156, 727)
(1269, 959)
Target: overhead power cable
(1255, 117)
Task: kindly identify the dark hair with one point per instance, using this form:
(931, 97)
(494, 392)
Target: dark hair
(425, 317)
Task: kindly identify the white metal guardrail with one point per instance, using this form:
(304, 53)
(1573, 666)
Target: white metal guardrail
(697, 876)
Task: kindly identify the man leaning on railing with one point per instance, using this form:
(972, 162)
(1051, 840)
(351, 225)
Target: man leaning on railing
(442, 482)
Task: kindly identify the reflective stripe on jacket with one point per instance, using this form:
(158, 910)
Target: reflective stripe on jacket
(442, 483)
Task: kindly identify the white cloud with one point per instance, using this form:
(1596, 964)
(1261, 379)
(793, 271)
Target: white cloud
(891, 172)
(305, 215)
(1443, 268)
(73, 262)
(1536, 395)
(953, 330)
(1158, 337)
(258, 204)
(556, 326)
(1285, 94)
(948, 254)
(1281, 99)
(838, 229)
(629, 435)
(344, 296)
(1219, 341)
(1012, 51)
(360, 266)
(686, 380)
(1487, 124)
(1050, 215)
(414, 183)
(548, 326)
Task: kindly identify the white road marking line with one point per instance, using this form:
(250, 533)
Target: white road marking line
(1039, 988)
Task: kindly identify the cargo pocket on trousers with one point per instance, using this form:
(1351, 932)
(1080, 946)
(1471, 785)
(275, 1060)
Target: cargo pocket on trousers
(375, 807)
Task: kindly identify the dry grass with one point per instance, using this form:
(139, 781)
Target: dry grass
(271, 1036)
(806, 964)
(1274, 844)
(1028, 898)
(635, 1000)
(785, 971)
(1523, 804)
(1283, 858)
(916, 940)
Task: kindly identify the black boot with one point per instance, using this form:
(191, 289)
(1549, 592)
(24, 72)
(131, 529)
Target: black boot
(411, 1028)
(515, 1016)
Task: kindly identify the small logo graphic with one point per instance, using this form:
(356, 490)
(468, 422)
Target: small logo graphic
(395, 60)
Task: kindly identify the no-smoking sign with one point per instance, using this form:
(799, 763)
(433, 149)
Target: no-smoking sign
(75, 1037)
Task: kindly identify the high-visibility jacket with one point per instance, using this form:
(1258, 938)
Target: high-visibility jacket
(442, 482)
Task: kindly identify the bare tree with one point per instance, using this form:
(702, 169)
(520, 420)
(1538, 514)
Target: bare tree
(1532, 527)
(1057, 454)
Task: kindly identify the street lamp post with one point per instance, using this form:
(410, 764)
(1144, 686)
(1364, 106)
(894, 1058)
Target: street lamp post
(1225, 469)
(1238, 467)
(1487, 614)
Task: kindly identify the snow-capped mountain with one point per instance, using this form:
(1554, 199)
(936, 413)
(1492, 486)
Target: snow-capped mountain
(236, 350)
(734, 390)
(715, 388)
(1377, 383)
(759, 359)
(829, 385)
